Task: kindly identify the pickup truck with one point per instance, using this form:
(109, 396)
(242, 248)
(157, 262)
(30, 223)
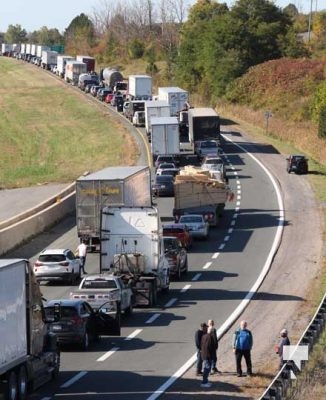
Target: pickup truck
(104, 288)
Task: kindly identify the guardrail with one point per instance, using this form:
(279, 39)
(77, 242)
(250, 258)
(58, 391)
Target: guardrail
(18, 229)
(279, 387)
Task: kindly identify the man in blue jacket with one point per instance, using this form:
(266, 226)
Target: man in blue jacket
(242, 345)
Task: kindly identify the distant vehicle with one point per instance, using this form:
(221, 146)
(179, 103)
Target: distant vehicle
(163, 185)
(102, 93)
(109, 97)
(164, 158)
(196, 224)
(216, 166)
(139, 118)
(176, 255)
(181, 232)
(79, 323)
(164, 165)
(297, 163)
(206, 147)
(95, 89)
(57, 265)
(169, 171)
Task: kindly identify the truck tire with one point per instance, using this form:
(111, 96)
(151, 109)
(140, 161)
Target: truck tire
(178, 274)
(129, 310)
(12, 387)
(22, 383)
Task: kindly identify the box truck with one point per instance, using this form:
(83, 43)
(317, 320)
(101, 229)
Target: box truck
(89, 61)
(155, 109)
(73, 70)
(49, 59)
(130, 186)
(139, 87)
(61, 64)
(165, 136)
(29, 355)
(175, 96)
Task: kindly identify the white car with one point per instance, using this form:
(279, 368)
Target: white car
(198, 227)
(164, 166)
(57, 265)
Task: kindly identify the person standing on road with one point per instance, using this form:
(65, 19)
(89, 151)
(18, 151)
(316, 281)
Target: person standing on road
(285, 341)
(207, 354)
(81, 252)
(212, 331)
(198, 335)
(242, 345)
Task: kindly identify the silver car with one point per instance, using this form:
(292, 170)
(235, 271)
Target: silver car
(198, 227)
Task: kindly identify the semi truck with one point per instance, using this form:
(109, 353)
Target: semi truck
(132, 248)
(110, 76)
(89, 61)
(165, 136)
(203, 124)
(73, 70)
(49, 59)
(155, 108)
(197, 191)
(87, 78)
(29, 355)
(61, 64)
(129, 186)
(40, 48)
(175, 96)
(139, 87)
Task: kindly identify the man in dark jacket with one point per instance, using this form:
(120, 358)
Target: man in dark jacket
(242, 345)
(198, 335)
(207, 354)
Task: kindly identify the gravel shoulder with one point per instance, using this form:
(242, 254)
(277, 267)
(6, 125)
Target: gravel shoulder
(283, 300)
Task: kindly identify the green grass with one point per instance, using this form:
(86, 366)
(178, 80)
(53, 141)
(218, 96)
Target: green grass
(50, 132)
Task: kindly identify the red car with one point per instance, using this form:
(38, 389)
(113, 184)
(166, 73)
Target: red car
(109, 97)
(180, 231)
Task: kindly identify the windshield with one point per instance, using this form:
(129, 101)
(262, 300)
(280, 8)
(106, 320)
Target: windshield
(191, 219)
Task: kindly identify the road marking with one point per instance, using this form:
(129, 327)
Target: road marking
(237, 203)
(237, 209)
(226, 238)
(171, 302)
(46, 398)
(74, 379)
(152, 318)
(235, 173)
(196, 277)
(133, 334)
(207, 265)
(232, 166)
(184, 289)
(230, 230)
(215, 255)
(221, 247)
(235, 215)
(108, 354)
(233, 223)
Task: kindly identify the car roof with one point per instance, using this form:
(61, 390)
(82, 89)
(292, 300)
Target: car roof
(171, 226)
(54, 251)
(164, 177)
(192, 215)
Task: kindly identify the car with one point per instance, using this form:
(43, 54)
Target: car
(95, 89)
(163, 166)
(139, 118)
(164, 158)
(198, 227)
(180, 231)
(216, 166)
(297, 163)
(79, 323)
(176, 255)
(169, 171)
(57, 265)
(109, 97)
(102, 93)
(163, 185)
(206, 147)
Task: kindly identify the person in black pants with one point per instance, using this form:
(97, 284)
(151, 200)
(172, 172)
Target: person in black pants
(198, 335)
(242, 345)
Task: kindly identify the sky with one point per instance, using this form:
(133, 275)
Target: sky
(31, 15)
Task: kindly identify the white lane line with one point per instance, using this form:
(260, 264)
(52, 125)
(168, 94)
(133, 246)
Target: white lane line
(230, 230)
(46, 398)
(74, 379)
(207, 265)
(215, 255)
(184, 289)
(235, 173)
(226, 238)
(170, 303)
(196, 277)
(133, 334)
(233, 223)
(221, 246)
(152, 318)
(237, 209)
(238, 182)
(108, 354)
(235, 215)
(237, 203)
(232, 166)
(239, 192)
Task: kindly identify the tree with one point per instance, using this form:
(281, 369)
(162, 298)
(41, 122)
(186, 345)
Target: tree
(15, 34)
(80, 35)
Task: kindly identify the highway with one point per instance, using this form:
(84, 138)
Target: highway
(156, 343)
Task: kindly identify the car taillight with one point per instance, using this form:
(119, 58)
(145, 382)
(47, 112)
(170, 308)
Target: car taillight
(38, 264)
(64, 264)
(77, 321)
(206, 217)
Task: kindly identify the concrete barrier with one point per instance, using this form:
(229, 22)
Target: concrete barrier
(36, 220)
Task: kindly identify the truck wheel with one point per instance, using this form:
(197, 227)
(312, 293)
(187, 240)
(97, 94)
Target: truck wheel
(178, 274)
(22, 384)
(186, 266)
(129, 310)
(12, 390)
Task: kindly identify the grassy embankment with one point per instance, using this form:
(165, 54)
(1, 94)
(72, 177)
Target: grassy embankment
(49, 132)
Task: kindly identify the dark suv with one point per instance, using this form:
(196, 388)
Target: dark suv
(297, 163)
